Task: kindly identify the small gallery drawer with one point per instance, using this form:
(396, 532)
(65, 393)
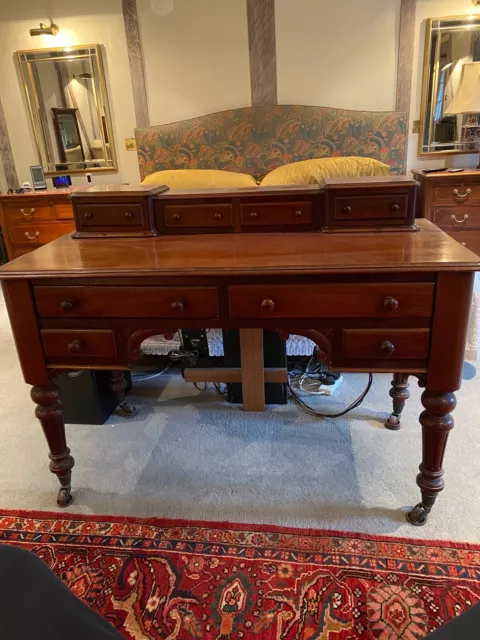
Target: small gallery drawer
(276, 214)
(37, 234)
(457, 194)
(110, 215)
(198, 215)
(63, 211)
(369, 300)
(399, 344)
(60, 343)
(349, 210)
(456, 218)
(30, 212)
(127, 302)
(469, 239)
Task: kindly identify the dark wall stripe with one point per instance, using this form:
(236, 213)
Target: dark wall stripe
(6, 154)
(263, 54)
(137, 67)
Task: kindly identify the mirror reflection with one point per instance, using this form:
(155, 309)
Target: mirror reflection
(67, 99)
(450, 117)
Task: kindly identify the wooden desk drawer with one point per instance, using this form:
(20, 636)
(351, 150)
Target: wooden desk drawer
(276, 214)
(59, 343)
(127, 302)
(376, 300)
(198, 215)
(456, 218)
(352, 210)
(37, 234)
(400, 344)
(30, 212)
(469, 239)
(110, 216)
(457, 194)
(63, 211)
(21, 252)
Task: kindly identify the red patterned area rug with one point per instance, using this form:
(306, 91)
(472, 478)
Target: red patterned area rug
(220, 581)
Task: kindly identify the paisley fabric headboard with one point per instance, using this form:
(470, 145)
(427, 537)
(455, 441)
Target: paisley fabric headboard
(255, 140)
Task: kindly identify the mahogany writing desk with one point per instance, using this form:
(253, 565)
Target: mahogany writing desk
(375, 302)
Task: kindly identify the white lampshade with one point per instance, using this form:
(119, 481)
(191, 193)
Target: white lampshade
(467, 96)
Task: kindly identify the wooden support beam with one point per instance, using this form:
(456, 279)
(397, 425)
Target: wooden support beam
(253, 377)
(231, 374)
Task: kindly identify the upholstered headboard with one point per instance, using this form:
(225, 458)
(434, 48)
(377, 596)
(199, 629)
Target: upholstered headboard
(255, 140)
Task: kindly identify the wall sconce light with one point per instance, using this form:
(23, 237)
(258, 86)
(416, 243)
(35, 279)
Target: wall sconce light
(45, 30)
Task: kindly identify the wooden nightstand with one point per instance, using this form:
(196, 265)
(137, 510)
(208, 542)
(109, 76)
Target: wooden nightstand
(452, 202)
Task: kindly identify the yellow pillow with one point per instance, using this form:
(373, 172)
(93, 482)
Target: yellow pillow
(313, 171)
(200, 179)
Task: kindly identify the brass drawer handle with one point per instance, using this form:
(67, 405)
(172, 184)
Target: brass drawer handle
(298, 213)
(394, 207)
(177, 305)
(254, 214)
(128, 215)
(67, 305)
(462, 195)
(88, 215)
(26, 213)
(176, 216)
(387, 347)
(454, 218)
(390, 303)
(268, 304)
(217, 216)
(464, 244)
(27, 235)
(75, 346)
(347, 209)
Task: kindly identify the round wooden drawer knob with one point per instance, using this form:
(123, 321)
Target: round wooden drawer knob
(268, 304)
(387, 347)
(298, 214)
(217, 216)
(177, 305)
(75, 346)
(347, 209)
(394, 207)
(254, 214)
(88, 215)
(176, 216)
(128, 215)
(390, 303)
(67, 305)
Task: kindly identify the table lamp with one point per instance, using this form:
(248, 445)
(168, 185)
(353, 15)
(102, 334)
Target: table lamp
(467, 96)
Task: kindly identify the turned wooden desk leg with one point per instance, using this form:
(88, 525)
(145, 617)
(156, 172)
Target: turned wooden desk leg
(436, 424)
(399, 394)
(49, 413)
(118, 385)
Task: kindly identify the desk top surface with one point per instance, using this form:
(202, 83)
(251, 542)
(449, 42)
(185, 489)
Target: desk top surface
(429, 249)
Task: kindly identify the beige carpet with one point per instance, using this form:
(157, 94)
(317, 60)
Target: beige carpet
(190, 455)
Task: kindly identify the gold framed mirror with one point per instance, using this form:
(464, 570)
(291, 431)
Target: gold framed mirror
(67, 100)
(448, 125)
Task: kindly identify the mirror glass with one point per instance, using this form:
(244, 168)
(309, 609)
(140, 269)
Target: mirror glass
(67, 98)
(450, 115)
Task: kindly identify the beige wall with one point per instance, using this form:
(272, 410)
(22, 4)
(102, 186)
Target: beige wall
(196, 58)
(337, 54)
(432, 9)
(85, 22)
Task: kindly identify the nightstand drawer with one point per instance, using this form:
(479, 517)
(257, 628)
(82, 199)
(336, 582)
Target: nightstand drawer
(469, 239)
(37, 234)
(30, 212)
(63, 210)
(127, 302)
(456, 218)
(376, 300)
(198, 215)
(277, 214)
(59, 343)
(109, 216)
(391, 344)
(370, 210)
(457, 193)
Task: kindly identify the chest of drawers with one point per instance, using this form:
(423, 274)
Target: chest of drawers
(33, 219)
